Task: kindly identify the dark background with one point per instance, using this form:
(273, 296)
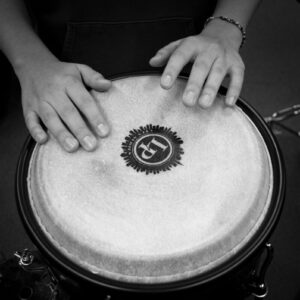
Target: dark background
(271, 55)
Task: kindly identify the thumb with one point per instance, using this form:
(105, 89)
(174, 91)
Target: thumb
(93, 79)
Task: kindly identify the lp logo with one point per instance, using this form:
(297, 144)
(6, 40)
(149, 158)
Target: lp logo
(153, 149)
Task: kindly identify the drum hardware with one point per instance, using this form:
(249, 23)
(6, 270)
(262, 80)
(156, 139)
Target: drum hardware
(25, 258)
(282, 115)
(26, 276)
(257, 285)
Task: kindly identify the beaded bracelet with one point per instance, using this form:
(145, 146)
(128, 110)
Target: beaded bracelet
(231, 21)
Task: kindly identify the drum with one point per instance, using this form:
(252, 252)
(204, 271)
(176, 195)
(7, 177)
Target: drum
(175, 198)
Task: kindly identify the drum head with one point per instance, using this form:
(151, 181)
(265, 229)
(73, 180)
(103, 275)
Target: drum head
(174, 193)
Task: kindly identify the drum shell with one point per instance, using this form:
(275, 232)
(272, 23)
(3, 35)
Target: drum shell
(232, 274)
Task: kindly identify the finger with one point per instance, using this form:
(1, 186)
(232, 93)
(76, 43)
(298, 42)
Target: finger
(199, 72)
(56, 127)
(212, 84)
(87, 105)
(34, 127)
(179, 58)
(235, 85)
(162, 55)
(71, 117)
(93, 79)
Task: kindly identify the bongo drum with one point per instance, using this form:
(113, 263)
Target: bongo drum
(174, 197)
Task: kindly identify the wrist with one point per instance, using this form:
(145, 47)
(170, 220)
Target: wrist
(24, 63)
(225, 32)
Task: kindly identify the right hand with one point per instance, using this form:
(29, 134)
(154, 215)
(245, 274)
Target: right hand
(54, 92)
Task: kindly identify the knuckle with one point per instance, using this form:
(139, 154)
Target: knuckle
(78, 65)
(93, 114)
(236, 61)
(210, 89)
(215, 47)
(179, 55)
(81, 131)
(28, 117)
(235, 87)
(86, 101)
(161, 52)
(68, 111)
(72, 80)
(201, 64)
(34, 129)
(220, 70)
(46, 114)
(56, 81)
(242, 66)
(238, 70)
(234, 90)
(62, 134)
(192, 40)
(171, 68)
(193, 85)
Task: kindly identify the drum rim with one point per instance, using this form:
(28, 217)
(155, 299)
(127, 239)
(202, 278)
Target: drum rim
(248, 250)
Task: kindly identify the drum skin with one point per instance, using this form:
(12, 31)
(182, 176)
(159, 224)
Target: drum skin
(266, 223)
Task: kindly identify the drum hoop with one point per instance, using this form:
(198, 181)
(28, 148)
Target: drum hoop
(246, 252)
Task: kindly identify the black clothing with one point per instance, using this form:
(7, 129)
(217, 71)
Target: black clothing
(116, 37)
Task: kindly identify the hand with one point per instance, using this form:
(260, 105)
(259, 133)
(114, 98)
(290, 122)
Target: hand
(215, 55)
(54, 92)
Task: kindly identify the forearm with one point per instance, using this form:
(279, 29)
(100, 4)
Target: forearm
(18, 40)
(239, 10)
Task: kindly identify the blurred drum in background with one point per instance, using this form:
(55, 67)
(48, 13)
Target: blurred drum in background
(176, 198)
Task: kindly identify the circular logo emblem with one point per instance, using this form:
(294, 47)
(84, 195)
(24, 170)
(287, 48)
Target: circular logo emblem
(152, 149)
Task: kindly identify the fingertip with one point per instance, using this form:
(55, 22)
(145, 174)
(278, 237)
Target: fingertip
(230, 100)
(104, 81)
(89, 143)
(71, 144)
(166, 81)
(155, 60)
(153, 63)
(189, 98)
(103, 130)
(40, 137)
(102, 85)
(205, 101)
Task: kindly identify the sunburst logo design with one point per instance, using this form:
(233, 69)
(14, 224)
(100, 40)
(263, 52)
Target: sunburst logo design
(152, 149)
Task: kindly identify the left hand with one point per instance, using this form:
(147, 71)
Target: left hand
(214, 54)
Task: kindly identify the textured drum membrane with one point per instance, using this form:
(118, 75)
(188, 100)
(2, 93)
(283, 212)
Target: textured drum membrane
(126, 225)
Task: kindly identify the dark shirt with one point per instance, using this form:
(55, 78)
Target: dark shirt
(116, 36)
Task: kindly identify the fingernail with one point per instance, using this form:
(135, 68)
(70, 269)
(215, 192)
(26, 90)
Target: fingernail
(89, 142)
(70, 143)
(40, 136)
(103, 130)
(205, 100)
(231, 100)
(166, 80)
(189, 98)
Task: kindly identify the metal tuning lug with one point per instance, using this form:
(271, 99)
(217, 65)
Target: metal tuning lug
(25, 257)
(256, 285)
(284, 114)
